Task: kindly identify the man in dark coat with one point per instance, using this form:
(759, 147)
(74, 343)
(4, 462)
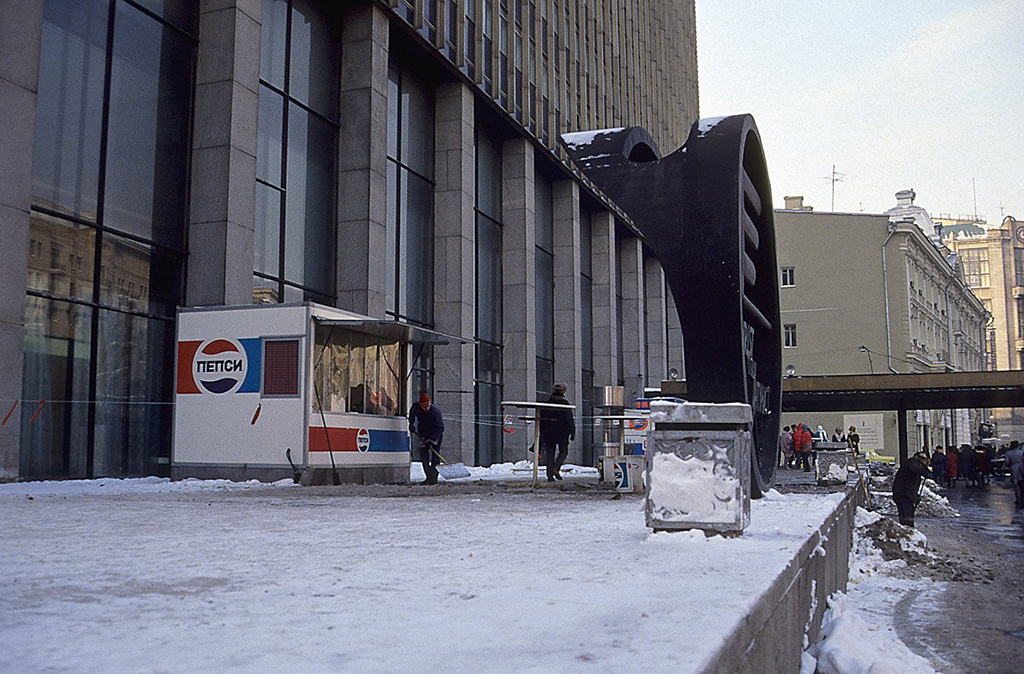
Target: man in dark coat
(557, 428)
(426, 423)
(906, 486)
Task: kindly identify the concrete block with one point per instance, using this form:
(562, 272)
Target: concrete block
(354, 195)
(245, 105)
(18, 112)
(21, 29)
(238, 264)
(246, 59)
(207, 242)
(210, 181)
(14, 223)
(216, 46)
(213, 119)
(12, 336)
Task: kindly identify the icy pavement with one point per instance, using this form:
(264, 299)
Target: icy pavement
(491, 577)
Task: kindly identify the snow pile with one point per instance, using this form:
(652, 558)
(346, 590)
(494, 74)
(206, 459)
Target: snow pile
(700, 487)
(520, 470)
(850, 645)
(857, 633)
(837, 473)
(139, 485)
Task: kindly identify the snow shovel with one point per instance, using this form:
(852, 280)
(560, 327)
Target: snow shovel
(449, 471)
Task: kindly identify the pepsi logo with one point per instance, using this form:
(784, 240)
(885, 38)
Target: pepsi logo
(362, 440)
(220, 366)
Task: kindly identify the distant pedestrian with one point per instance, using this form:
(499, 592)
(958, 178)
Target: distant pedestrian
(906, 486)
(984, 467)
(853, 440)
(952, 466)
(427, 425)
(967, 463)
(838, 436)
(1015, 464)
(938, 464)
(786, 448)
(821, 435)
(802, 447)
(557, 428)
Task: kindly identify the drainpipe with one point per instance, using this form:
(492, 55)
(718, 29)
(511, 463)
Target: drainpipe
(885, 284)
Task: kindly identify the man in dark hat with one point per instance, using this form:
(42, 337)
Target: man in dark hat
(426, 424)
(557, 428)
(906, 486)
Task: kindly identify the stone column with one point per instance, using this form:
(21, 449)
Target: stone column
(519, 308)
(455, 262)
(654, 297)
(604, 289)
(676, 353)
(223, 200)
(21, 26)
(362, 161)
(633, 329)
(568, 355)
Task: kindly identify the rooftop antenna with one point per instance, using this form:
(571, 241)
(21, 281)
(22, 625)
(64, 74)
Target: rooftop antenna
(835, 178)
(974, 189)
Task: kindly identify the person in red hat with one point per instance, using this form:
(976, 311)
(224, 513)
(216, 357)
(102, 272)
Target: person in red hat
(427, 426)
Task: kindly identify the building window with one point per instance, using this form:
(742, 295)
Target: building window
(1018, 266)
(975, 261)
(488, 377)
(410, 191)
(991, 349)
(789, 335)
(544, 272)
(109, 205)
(788, 277)
(296, 154)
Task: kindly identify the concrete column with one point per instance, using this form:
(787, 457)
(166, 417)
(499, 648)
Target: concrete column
(519, 308)
(633, 329)
(604, 289)
(362, 161)
(21, 26)
(568, 355)
(676, 352)
(455, 262)
(654, 296)
(223, 201)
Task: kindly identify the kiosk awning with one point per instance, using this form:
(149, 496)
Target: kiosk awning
(393, 330)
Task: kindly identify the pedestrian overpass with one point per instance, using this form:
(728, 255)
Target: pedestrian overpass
(903, 392)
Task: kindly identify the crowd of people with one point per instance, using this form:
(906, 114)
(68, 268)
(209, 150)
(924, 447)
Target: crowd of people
(798, 443)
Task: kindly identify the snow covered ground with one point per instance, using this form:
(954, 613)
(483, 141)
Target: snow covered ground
(858, 634)
(200, 576)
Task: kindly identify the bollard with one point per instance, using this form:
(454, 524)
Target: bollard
(698, 467)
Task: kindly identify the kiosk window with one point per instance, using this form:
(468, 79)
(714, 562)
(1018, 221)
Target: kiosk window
(281, 367)
(356, 372)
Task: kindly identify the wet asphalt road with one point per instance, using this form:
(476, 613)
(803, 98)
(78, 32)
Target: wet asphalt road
(975, 625)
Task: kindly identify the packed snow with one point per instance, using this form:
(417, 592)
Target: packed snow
(857, 632)
(698, 489)
(486, 576)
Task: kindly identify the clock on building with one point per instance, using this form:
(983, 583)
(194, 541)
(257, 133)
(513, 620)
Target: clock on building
(1019, 233)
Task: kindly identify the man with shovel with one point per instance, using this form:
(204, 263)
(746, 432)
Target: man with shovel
(426, 424)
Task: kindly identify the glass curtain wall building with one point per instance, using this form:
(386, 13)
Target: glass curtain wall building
(388, 157)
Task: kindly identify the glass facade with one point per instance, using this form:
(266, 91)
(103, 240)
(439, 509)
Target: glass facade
(587, 339)
(107, 236)
(544, 284)
(410, 213)
(296, 153)
(488, 380)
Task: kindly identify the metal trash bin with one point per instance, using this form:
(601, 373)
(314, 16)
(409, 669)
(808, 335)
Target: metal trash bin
(698, 467)
(832, 463)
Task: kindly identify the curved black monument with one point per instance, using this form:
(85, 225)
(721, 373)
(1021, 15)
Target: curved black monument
(705, 211)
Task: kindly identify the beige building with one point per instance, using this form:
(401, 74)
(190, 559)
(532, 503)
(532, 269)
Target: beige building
(993, 262)
(873, 293)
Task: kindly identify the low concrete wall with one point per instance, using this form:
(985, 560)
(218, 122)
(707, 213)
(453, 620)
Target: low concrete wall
(770, 638)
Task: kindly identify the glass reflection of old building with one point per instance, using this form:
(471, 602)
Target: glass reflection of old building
(399, 159)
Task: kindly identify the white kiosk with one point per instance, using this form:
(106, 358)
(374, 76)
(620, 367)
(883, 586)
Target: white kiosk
(268, 391)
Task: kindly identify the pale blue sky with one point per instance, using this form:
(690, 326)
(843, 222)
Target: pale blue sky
(922, 94)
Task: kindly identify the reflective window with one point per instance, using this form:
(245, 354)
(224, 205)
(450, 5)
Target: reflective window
(69, 109)
(107, 234)
(410, 194)
(356, 373)
(544, 285)
(147, 145)
(296, 153)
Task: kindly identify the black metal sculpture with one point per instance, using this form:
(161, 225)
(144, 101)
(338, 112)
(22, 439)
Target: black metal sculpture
(705, 211)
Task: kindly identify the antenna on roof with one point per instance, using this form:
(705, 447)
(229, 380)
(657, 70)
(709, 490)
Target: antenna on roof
(835, 178)
(974, 189)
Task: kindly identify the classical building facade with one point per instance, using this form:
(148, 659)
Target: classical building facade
(993, 262)
(398, 159)
(874, 293)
